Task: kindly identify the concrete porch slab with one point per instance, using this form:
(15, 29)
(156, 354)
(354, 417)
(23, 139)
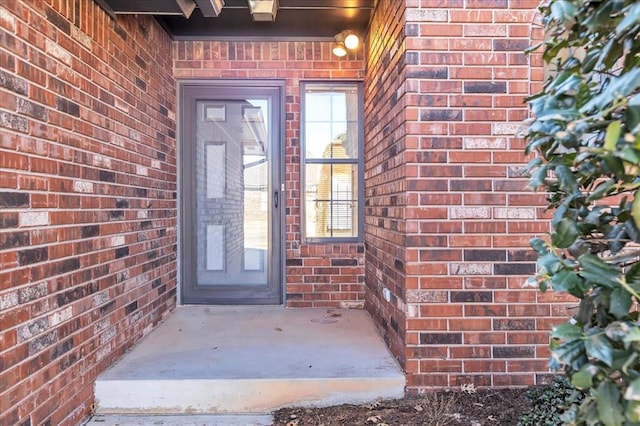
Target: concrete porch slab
(251, 359)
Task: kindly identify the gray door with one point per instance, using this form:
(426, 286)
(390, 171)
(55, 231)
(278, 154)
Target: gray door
(230, 193)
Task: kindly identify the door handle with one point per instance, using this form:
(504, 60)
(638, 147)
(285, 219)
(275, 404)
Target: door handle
(275, 198)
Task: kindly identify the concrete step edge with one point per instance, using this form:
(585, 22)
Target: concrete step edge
(239, 396)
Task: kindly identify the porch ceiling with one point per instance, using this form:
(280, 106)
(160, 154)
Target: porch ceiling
(295, 19)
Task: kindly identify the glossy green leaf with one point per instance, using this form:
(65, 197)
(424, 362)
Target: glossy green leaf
(597, 346)
(567, 331)
(583, 378)
(635, 208)
(567, 280)
(598, 17)
(579, 247)
(632, 230)
(633, 114)
(633, 412)
(588, 412)
(571, 353)
(616, 331)
(565, 177)
(632, 275)
(593, 217)
(614, 166)
(630, 154)
(632, 17)
(549, 263)
(616, 238)
(550, 54)
(629, 365)
(539, 245)
(598, 271)
(612, 56)
(632, 336)
(618, 87)
(608, 402)
(591, 59)
(538, 177)
(602, 190)
(612, 135)
(565, 233)
(633, 391)
(585, 311)
(620, 302)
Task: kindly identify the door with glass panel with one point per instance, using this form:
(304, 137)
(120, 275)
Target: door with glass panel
(230, 194)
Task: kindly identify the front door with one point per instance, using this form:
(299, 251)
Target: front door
(231, 200)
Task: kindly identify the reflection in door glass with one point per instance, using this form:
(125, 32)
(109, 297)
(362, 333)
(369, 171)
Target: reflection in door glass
(255, 186)
(232, 188)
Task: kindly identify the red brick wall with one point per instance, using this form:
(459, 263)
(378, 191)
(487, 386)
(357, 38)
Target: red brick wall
(449, 214)
(314, 272)
(87, 200)
(385, 174)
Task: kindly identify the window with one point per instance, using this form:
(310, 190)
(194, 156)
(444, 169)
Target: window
(332, 160)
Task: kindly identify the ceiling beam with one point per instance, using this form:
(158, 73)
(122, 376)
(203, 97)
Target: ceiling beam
(210, 8)
(155, 7)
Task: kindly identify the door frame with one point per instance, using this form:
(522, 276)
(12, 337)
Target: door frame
(277, 165)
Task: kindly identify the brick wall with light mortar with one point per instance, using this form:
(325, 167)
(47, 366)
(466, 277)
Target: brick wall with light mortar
(449, 214)
(317, 275)
(87, 200)
(385, 174)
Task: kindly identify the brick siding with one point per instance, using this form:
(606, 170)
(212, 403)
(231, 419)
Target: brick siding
(87, 200)
(448, 211)
(317, 275)
(385, 175)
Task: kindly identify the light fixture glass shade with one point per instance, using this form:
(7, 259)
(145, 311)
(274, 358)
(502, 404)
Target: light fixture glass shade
(339, 49)
(351, 41)
(263, 10)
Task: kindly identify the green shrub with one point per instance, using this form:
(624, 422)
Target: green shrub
(552, 405)
(585, 134)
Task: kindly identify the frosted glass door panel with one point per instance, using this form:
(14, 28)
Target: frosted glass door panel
(215, 248)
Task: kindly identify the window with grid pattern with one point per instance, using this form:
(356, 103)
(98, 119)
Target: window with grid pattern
(332, 163)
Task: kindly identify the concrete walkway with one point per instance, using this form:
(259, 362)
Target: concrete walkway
(250, 360)
(181, 420)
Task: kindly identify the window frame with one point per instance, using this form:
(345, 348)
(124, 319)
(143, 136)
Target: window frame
(359, 163)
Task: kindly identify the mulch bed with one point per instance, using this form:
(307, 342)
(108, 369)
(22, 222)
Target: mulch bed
(470, 408)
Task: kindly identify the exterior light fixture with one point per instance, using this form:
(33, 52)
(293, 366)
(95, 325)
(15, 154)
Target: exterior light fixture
(339, 49)
(345, 40)
(263, 10)
(351, 41)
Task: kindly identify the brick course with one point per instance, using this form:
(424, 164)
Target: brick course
(87, 198)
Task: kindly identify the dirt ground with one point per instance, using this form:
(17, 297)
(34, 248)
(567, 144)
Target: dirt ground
(469, 408)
